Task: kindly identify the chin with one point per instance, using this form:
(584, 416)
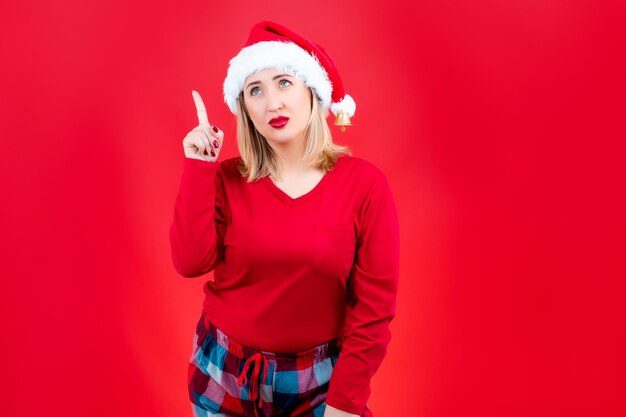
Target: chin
(280, 140)
(281, 137)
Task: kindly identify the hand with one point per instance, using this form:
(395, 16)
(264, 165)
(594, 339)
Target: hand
(333, 412)
(204, 141)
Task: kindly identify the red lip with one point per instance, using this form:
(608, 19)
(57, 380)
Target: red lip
(279, 121)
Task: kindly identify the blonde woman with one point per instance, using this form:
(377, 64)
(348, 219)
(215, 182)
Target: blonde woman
(302, 237)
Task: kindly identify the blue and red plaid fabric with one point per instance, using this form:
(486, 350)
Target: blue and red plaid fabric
(232, 380)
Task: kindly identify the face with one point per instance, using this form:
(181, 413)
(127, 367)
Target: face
(272, 93)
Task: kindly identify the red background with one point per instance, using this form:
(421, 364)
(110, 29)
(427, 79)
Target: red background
(500, 126)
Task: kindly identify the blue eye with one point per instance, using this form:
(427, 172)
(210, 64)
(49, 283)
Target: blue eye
(252, 90)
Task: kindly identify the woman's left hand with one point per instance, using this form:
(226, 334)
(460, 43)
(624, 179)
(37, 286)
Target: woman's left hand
(333, 412)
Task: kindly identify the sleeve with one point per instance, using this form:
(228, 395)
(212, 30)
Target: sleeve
(201, 215)
(372, 289)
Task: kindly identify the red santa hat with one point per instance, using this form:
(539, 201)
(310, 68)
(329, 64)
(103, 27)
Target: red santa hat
(271, 45)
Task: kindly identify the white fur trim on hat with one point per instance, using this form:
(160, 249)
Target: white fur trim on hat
(286, 56)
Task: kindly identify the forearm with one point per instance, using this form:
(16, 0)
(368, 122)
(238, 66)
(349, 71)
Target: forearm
(193, 236)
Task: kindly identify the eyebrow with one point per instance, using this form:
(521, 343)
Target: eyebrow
(259, 82)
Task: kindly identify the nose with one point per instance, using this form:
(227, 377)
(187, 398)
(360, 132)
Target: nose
(274, 102)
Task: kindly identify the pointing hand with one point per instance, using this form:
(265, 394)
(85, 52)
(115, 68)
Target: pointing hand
(204, 141)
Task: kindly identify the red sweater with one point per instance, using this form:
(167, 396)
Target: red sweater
(292, 273)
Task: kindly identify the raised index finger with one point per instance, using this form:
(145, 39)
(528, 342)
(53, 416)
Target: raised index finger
(203, 119)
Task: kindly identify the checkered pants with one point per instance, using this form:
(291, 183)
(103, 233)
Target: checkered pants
(231, 380)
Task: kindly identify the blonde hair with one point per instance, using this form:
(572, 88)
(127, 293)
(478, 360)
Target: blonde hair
(258, 159)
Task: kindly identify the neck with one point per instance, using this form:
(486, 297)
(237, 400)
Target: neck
(290, 155)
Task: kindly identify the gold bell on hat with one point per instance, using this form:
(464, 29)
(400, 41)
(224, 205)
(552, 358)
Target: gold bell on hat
(343, 120)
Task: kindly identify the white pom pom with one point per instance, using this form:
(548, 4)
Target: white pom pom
(346, 105)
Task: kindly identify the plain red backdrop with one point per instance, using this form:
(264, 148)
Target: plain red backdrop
(500, 126)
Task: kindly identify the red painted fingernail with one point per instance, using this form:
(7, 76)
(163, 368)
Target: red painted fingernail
(212, 152)
(216, 144)
(215, 129)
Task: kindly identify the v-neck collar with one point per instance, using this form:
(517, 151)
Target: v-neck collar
(304, 197)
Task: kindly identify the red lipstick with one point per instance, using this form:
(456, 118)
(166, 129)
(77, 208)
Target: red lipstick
(278, 122)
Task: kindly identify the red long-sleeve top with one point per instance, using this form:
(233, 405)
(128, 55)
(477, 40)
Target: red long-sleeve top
(292, 273)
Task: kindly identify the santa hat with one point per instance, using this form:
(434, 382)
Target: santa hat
(271, 45)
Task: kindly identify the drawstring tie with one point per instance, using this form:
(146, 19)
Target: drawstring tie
(257, 360)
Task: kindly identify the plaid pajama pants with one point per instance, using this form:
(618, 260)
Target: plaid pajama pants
(232, 380)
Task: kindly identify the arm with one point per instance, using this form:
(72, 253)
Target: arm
(372, 301)
(200, 219)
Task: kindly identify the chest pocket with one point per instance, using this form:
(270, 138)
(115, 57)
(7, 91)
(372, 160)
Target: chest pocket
(334, 249)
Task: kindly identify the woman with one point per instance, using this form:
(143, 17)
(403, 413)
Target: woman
(303, 239)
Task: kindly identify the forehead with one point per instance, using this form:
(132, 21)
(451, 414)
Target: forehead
(267, 74)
